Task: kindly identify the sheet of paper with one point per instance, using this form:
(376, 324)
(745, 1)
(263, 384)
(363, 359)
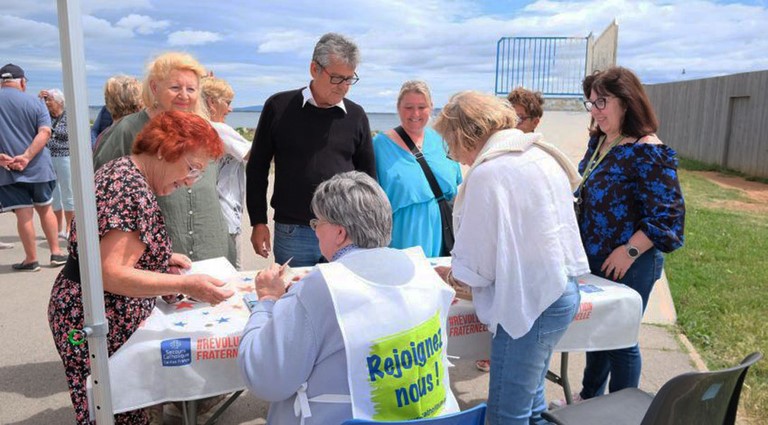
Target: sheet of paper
(218, 267)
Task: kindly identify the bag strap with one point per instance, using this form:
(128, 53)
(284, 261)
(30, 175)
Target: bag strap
(422, 162)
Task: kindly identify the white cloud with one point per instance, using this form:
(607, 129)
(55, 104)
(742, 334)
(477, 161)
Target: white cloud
(449, 43)
(192, 38)
(18, 32)
(142, 24)
(286, 41)
(103, 30)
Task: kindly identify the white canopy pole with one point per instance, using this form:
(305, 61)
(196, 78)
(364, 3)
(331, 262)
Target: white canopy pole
(95, 324)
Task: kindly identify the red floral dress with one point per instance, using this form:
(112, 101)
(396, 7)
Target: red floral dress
(124, 202)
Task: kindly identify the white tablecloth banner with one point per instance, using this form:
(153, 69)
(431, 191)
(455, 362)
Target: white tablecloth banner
(188, 351)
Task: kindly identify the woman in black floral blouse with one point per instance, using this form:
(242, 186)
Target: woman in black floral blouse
(629, 204)
(171, 151)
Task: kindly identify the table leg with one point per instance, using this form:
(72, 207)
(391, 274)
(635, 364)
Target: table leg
(189, 412)
(566, 383)
(562, 380)
(223, 407)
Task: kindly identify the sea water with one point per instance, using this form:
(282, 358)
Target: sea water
(378, 121)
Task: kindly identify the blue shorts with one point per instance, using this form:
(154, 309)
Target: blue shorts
(26, 195)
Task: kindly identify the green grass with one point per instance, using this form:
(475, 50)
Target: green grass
(719, 282)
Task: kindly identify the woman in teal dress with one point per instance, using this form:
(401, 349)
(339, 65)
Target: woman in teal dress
(415, 211)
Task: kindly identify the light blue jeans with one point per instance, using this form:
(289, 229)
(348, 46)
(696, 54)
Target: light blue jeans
(62, 194)
(519, 366)
(299, 242)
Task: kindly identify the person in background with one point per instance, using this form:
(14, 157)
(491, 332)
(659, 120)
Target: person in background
(102, 121)
(529, 107)
(27, 178)
(416, 218)
(517, 246)
(173, 84)
(292, 352)
(630, 207)
(63, 201)
(230, 185)
(122, 95)
(312, 133)
(170, 152)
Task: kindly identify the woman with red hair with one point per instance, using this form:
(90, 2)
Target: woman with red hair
(171, 151)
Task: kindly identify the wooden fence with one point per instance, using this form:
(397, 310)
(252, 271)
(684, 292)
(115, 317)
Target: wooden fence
(721, 120)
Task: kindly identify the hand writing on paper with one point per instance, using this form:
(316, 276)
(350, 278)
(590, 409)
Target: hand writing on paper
(270, 283)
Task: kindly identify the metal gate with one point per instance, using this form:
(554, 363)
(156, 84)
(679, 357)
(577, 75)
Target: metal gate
(555, 66)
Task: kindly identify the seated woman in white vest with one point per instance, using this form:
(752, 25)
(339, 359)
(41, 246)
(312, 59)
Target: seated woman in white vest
(363, 336)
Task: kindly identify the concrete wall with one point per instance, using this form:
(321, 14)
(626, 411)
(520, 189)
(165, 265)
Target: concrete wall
(602, 52)
(721, 120)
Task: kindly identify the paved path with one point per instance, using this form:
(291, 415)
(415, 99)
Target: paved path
(33, 389)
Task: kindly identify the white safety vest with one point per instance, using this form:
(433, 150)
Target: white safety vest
(395, 341)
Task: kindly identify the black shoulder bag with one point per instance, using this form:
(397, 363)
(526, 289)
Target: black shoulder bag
(446, 210)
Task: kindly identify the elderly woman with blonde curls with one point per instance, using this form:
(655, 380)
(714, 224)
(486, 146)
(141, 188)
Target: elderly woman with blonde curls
(517, 246)
(173, 84)
(122, 97)
(230, 184)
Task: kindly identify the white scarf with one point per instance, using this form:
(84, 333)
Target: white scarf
(514, 140)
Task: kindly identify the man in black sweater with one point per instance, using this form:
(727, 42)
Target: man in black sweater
(312, 133)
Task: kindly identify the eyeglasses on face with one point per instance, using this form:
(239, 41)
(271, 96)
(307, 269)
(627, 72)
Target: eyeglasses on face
(194, 174)
(338, 79)
(316, 222)
(521, 118)
(598, 103)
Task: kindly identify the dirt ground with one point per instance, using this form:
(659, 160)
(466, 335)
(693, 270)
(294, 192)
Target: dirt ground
(756, 192)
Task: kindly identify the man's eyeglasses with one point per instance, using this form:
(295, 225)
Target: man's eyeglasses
(599, 103)
(194, 174)
(521, 118)
(337, 79)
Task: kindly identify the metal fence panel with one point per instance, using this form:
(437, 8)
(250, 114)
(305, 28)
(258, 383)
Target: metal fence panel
(555, 66)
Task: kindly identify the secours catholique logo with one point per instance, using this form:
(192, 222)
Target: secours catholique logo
(176, 352)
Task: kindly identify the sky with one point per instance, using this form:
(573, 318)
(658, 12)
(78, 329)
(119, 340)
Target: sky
(262, 47)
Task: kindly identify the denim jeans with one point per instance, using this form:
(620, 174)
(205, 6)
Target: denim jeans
(623, 365)
(63, 198)
(299, 242)
(519, 366)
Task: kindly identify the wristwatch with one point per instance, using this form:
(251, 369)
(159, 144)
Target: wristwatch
(632, 251)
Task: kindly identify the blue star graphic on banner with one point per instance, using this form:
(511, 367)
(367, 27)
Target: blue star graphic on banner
(247, 279)
(180, 324)
(224, 319)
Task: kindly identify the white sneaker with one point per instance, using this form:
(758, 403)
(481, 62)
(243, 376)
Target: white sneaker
(557, 404)
(63, 235)
(4, 245)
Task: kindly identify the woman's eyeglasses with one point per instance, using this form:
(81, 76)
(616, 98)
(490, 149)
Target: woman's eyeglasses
(194, 174)
(316, 222)
(598, 103)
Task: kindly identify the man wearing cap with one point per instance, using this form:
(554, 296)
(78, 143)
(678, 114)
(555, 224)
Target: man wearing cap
(27, 178)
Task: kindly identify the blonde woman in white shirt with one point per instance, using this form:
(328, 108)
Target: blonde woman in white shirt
(517, 246)
(230, 184)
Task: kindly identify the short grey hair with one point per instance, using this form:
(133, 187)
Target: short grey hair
(337, 46)
(57, 96)
(357, 203)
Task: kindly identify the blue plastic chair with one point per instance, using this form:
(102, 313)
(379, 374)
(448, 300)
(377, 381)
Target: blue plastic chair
(473, 416)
